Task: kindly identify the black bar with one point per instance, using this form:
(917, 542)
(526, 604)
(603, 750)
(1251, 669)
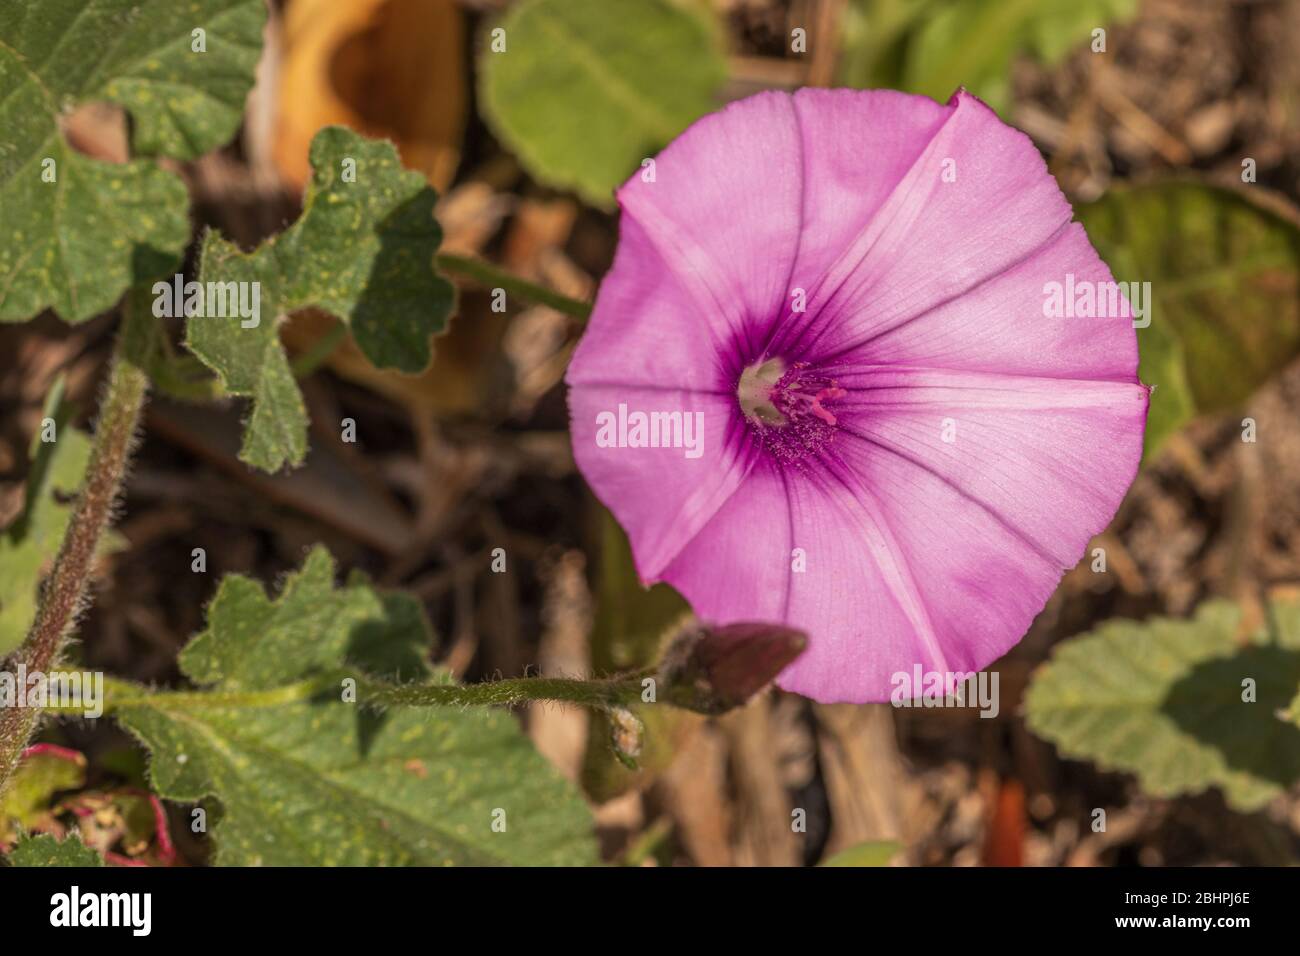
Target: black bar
(928, 906)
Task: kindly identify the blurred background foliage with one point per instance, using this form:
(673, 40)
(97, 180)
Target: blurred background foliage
(1177, 141)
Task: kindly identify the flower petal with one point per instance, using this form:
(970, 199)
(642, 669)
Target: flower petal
(863, 616)
(1049, 458)
(648, 329)
(977, 200)
(661, 496)
(737, 566)
(859, 145)
(999, 326)
(724, 212)
(919, 551)
(953, 590)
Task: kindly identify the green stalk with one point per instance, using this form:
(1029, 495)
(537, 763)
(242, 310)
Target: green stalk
(490, 277)
(600, 694)
(319, 353)
(708, 670)
(64, 593)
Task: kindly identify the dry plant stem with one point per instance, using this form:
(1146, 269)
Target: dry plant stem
(63, 595)
(862, 772)
(765, 836)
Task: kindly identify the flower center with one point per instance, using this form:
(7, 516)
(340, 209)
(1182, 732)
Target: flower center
(788, 407)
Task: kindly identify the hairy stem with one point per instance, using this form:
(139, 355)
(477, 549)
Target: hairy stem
(489, 276)
(601, 694)
(707, 669)
(63, 594)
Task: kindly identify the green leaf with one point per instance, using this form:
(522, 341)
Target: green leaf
(1057, 28)
(43, 772)
(29, 544)
(253, 642)
(362, 250)
(874, 39)
(306, 778)
(587, 89)
(1225, 283)
(631, 620)
(871, 853)
(972, 43)
(1163, 699)
(77, 242)
(394, 646)
(45, 850)
(629, 632)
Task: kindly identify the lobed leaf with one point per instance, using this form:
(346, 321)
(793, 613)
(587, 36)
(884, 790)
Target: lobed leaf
(305, 777)
(45, 850)
(363, 251)
(1165, 700)
(76, 241)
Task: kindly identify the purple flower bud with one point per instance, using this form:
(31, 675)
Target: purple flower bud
(713, 669)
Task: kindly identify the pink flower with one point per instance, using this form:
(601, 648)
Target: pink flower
(829, 313)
